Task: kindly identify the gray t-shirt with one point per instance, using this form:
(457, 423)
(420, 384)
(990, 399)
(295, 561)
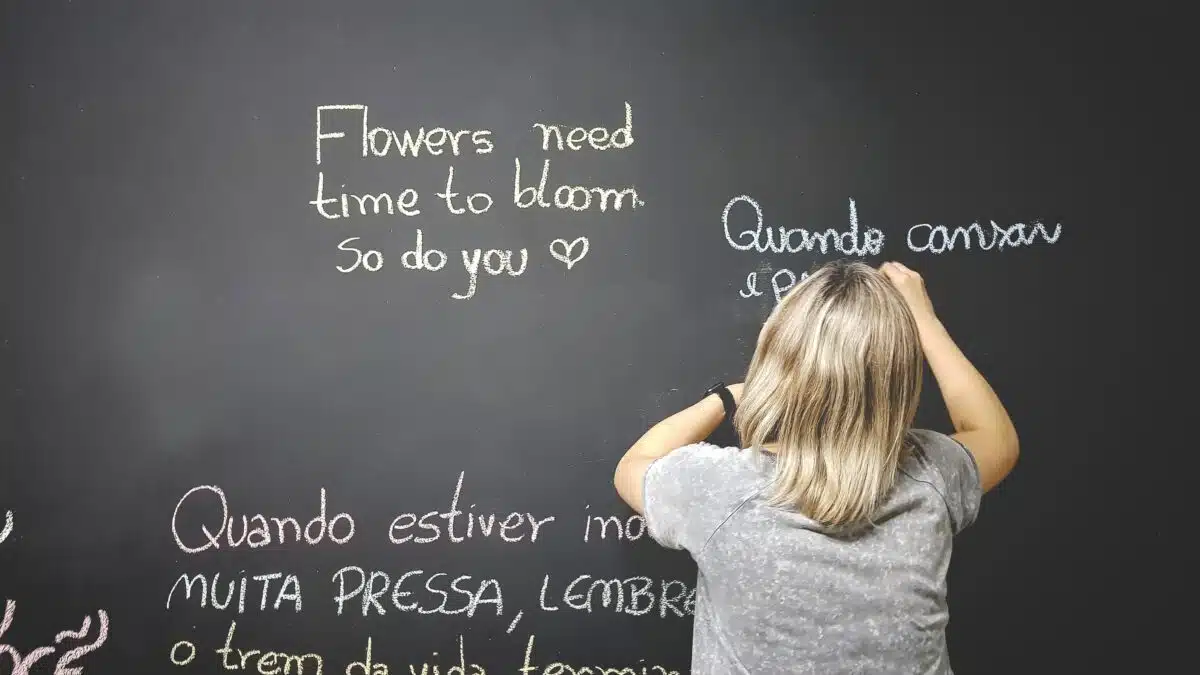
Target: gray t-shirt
(776, 595)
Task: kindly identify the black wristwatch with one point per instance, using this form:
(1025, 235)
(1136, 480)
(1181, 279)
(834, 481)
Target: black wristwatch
(726, 398)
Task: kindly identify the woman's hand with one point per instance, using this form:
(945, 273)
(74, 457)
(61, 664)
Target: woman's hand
(736, 390)
(912, 289)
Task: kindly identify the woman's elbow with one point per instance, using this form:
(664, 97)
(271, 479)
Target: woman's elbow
(1014, 449)
(627, 479)
(1006, 453)
(621, 469)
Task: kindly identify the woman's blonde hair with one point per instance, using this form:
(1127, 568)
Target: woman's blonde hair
(833, 387)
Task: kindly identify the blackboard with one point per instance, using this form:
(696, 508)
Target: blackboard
(202, 304)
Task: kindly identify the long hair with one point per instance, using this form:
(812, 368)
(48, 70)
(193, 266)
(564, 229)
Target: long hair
(833, 386)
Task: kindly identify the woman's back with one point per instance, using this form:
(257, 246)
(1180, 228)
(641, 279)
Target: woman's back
(776, 594)
(824, 549)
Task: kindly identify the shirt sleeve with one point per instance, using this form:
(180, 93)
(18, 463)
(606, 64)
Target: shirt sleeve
(957, 473)
(678, 495)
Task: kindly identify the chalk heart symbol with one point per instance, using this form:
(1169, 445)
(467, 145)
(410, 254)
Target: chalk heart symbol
(565, 252)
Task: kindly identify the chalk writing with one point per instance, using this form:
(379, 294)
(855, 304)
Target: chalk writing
(636, 596)
(208, 593)
(440, 594)
(371, 260)
(782, 280)
(256, 532)
(459, 526)
(631, 529)
(370, 665)
(937, 239)
(321, 135)
(565, 252)
(478, 203)
(183, 652)
(923, 238)
(66, 663)
(379, 142)
(475, 262)
(266, 662)
(492, 262)
(751, 289)
(597, 138)
(495, 262)
(341, 124)
(795, 240)
(560, 668)
(572, 197)
(405, 203)
(8, 526)
(420, 258)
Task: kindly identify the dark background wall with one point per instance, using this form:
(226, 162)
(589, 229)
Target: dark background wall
(175, 316)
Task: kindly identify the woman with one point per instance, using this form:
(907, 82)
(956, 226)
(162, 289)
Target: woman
(822, 547)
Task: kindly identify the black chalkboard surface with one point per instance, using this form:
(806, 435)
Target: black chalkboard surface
(326, 323)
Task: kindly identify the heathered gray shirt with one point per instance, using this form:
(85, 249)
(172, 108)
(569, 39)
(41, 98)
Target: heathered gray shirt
(776, 595)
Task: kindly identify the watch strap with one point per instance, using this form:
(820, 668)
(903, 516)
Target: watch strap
(726, 396)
